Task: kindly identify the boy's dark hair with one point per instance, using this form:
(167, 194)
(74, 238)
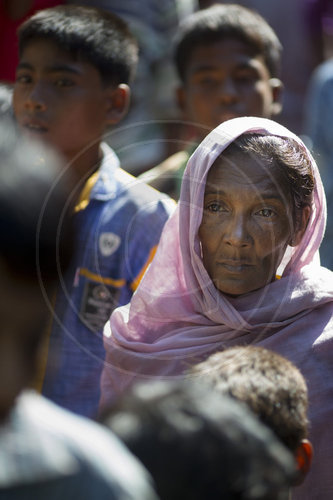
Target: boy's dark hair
(220, 22)
(197, 444)
(36, 227)
(268, 383)
(90, 34)
(288, 156)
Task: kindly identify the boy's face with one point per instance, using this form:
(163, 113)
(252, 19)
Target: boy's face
(22, 314)
(59, 99)
(225, 80)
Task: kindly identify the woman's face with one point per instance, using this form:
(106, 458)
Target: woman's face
(247, 224)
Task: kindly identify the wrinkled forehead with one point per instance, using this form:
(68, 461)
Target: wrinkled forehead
(216, 145)
(245, 166)
(243, 172)
(227, 153)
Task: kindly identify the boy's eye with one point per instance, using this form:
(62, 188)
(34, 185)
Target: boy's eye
(207, 81)
(23, 79)
(265, 212)
(64, 82)
(245, 76)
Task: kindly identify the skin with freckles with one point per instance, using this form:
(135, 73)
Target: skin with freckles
(224, 80)
(247, 224)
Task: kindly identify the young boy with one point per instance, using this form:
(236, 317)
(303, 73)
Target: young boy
(228, 61)
(272, 387)
(45, 452)
(72, 82)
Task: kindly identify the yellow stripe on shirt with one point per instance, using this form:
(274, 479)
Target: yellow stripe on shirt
(84, 197)
(100, 279)
(135, 283)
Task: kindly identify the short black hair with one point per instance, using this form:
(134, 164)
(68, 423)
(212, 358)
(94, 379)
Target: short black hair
(220, 22)
(98, 37)
(198, 444)
(271, 385)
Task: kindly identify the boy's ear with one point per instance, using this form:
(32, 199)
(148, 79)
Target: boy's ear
(277, 89)
(118, 99)
(303, 457)
(302, 225)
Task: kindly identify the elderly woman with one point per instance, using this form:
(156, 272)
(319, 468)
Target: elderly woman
(238, 264)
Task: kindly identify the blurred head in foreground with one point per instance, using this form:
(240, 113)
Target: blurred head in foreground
(197, 444)
(272, 387)
(35, 247)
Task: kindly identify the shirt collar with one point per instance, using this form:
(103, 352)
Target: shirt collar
(105, 186)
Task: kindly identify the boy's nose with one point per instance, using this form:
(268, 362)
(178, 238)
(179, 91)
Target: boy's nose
(228, 91)
(35, 100)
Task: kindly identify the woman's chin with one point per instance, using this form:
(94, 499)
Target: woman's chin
(235, 288)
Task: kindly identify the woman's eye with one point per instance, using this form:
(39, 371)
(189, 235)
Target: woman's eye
(265, 212)
(215, 207)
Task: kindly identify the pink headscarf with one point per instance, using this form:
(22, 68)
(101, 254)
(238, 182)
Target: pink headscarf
(177, 317)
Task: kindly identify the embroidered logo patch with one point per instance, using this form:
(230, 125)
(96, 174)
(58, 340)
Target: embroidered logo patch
(108, 243)
(98, 302)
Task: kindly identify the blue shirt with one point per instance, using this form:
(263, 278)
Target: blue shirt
(319, 128)
(117, 230)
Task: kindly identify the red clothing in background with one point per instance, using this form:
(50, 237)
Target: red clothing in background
(8, 38)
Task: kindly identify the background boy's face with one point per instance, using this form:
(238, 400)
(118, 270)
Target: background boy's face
(59, 99)
(225, 80)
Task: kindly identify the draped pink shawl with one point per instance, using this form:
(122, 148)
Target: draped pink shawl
(177, 317)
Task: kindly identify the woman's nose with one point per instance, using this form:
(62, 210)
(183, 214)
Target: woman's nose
(236, 232)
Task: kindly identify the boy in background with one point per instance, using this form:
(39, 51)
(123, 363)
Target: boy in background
(75, 64)
(45, 451)
(228, 61)
(272, 387)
